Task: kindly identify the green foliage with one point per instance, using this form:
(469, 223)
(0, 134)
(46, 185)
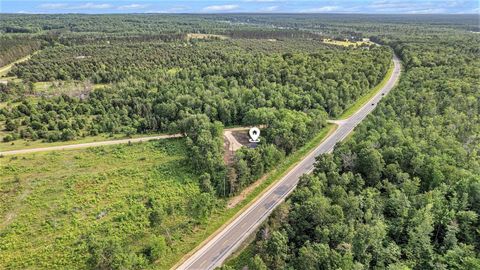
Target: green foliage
(287, 129)
(275, 250)
(112, 207)
(205, 147)
(110, 253)
(257, 264)
(13, 48)
(401, 192)
(250, 164)
(156, 249)
(224, 79)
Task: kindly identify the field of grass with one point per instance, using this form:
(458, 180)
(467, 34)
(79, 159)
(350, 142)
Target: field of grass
(365, 98)
(346, 43)
(52, 202)
(59, 197)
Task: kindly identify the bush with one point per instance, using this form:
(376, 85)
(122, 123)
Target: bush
(9, 138)
(155, 249)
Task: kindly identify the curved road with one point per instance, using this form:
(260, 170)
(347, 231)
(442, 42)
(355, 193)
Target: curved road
(214, 252)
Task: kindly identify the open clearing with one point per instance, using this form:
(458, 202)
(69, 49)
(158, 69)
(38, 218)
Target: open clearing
(51, 201)
(347, 43)
(59, 197)
(70, 88)
(205, 36)
(22, 146)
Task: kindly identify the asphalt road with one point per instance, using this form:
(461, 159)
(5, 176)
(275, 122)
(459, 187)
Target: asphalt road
(217, 249)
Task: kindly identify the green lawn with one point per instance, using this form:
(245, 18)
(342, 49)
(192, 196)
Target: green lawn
(365, 98)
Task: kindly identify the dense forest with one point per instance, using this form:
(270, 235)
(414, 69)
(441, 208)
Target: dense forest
(404, 191)
(169, 81)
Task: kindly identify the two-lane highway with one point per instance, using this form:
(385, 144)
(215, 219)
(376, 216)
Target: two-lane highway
(215, 251)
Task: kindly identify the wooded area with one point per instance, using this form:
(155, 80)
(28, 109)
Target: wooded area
(290, 86)
(403, 192)
(169, 81)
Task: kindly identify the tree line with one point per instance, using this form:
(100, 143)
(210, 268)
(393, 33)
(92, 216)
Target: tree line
(403, 192)
(12, 49)
(169, 81)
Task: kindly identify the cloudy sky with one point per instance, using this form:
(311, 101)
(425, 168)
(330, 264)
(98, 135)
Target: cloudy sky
(226, 6)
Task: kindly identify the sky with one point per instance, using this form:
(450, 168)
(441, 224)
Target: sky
(242, 6)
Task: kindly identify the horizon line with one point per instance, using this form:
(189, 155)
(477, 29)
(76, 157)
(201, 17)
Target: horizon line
(229, 13)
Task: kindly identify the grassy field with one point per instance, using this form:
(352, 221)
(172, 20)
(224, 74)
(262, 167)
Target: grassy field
(52, 202)
(365, 98)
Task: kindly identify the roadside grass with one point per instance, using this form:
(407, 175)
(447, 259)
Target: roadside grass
(222, 218)
(52, 201)
(238, 259)
(365, 98)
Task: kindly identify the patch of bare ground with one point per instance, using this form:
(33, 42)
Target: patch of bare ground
(240, 197)
(233, 140)
(228, 155)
